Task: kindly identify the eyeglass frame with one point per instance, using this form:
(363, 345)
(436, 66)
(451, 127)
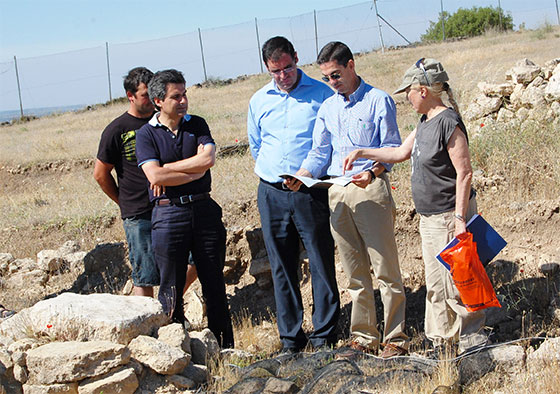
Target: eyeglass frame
(420, 65)
(285, 70)
(335, 76)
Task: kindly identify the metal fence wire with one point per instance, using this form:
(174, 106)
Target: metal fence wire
(95, 75)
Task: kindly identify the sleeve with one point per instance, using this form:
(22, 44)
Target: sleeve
(146, 149)
(319, 156)
(108, 151)
(449, 123)
(203, 136)
(386, 119)
(253, 133)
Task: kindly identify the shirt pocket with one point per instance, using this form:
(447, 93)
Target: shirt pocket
(361, 132)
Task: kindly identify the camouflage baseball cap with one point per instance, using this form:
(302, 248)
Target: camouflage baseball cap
(424, 72)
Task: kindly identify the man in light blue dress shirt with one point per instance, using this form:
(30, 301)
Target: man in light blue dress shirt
(362, 213)
(280, 125)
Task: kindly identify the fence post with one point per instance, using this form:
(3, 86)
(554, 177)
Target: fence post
(18, 88)
(442, 21)
(202, 54)
(108, 70)
(316, 35)
(379, 27)
(557, 13)
(259, 46)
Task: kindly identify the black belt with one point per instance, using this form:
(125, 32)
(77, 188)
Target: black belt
(276, 185)
(183, 200)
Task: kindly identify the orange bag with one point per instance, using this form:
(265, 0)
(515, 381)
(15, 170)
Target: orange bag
(469, 275)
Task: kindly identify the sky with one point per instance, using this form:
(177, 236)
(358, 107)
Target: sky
(41, 27)
(60, 44)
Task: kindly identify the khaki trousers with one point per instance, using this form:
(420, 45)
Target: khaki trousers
(362, 223)
(446, 320)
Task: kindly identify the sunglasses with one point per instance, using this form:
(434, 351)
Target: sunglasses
(420, 64)
(334, 76)
(286, 70)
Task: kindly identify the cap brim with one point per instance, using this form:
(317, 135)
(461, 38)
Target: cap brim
(402, 88)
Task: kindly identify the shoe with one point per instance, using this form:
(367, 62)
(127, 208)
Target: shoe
(355, 349)
(392, 350)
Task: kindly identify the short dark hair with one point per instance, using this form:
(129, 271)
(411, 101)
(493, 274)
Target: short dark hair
(274, 47)
(337, 51)
(135, 77)
(158, 85)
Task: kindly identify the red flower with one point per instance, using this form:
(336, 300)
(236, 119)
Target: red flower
(482, 125)
(49, 325)
(236, 140)
(393, 187)
(521, 270)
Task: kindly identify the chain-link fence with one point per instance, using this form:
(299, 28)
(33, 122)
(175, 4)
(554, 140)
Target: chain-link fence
(95, 75)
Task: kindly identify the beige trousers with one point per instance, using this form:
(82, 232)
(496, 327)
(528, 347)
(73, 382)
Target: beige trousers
(446, 320)
(362, 222)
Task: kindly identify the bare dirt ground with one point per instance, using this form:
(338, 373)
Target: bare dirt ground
(528, 228)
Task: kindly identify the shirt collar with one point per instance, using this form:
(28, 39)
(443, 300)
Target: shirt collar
(356, 96)
(303, 81)
(154, 121)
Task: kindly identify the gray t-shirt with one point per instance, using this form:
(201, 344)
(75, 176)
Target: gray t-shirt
(433, 176)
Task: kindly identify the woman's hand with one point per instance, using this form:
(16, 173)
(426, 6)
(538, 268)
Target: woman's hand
(347, 164)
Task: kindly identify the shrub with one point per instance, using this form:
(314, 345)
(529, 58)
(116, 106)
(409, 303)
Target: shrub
(468, 23)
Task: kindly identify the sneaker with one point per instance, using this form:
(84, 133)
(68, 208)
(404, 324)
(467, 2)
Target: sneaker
(392, 350)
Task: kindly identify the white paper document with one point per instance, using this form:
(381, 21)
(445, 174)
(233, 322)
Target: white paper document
(312, 182)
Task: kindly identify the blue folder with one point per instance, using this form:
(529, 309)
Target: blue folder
(488, 242)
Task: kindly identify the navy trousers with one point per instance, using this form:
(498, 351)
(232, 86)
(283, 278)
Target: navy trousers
(286, 217)
(196, 228)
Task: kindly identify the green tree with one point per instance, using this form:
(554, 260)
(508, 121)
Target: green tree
(468, 23)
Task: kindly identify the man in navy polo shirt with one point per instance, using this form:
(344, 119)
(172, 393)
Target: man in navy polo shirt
(175, 150)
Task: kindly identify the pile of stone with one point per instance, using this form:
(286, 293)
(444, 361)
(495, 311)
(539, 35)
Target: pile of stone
(100, 343)
(530, 92)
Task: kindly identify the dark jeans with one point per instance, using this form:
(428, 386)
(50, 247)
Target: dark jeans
(285, 217)
(196, 228)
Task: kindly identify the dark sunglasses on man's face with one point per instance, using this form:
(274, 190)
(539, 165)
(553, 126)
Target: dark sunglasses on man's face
(334, 76)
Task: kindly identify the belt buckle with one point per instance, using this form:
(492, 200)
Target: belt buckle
(186, 199)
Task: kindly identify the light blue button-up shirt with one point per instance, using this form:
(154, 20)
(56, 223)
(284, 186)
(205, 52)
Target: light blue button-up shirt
(368, 119)
(280, 126)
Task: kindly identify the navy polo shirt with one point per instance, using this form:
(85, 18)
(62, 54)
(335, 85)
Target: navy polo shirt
(155, 142)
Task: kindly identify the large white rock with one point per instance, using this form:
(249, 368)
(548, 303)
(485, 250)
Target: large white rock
(509, 359)
(194, 308)
(66, 388)
(204, 346)
(552, 90)
(65, 362)
(500, 90)
(548, 353)
(523, 72)
(533, 97)
(50, 260)
(158, 355)
(123, 382)
(175, 335)
(87, 317)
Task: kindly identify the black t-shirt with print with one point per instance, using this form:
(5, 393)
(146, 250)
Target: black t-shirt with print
(118, 147)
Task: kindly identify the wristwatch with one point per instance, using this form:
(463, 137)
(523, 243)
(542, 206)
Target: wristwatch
(372, 175)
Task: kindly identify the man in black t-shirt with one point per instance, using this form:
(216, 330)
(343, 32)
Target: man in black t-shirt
(117, 149)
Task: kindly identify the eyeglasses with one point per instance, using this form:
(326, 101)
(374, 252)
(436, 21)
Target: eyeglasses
(285, 70)
(420, 64)
(334, 76)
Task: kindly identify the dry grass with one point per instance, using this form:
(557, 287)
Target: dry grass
(33, 205)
